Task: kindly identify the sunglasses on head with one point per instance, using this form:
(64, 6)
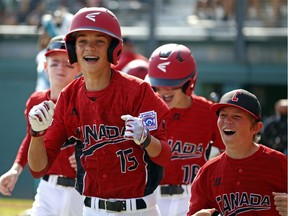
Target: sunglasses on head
(56, 45)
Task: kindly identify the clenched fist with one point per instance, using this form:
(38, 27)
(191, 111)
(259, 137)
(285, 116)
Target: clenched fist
(136, 130)
(41, 115)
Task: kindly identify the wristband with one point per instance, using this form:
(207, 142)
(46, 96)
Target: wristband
(147, 141)
(37, 133)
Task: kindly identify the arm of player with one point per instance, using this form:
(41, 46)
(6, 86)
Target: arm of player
(9, 179)
(281, 202)
(205, 212)
(40, 117)
(136, 130)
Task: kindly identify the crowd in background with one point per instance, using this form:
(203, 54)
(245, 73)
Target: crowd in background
(40, 13)
(29, 12)
(270, 12)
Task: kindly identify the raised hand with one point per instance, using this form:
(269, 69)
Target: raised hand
(136, 130)
(41, 115)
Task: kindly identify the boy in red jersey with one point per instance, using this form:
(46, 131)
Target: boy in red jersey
(56, 194)
(116, 119)
(248, 178)
(191, 127)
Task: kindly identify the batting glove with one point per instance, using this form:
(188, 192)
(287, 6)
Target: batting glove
(136, 130)
(40, 117)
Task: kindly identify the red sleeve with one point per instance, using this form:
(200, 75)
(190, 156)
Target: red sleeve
(34, 99)
(198, 193)
(53, 138)
(164, 157)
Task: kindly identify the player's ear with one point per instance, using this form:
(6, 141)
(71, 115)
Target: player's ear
(257, 126)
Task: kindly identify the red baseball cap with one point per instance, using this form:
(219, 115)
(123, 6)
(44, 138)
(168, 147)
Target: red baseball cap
(241, 99)
(56, 44)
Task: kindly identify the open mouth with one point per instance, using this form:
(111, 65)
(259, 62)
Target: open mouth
(91, 58)
(167, 98)
(229, 132)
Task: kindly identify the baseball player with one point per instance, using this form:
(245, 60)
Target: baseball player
(56, 194)
(248, 178)
(116, 119)
(191, 126)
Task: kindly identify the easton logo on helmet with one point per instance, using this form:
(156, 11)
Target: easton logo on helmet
(163, 66)
(92, 16)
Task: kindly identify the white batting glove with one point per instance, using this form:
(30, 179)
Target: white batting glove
(136, 130)
(40, 116)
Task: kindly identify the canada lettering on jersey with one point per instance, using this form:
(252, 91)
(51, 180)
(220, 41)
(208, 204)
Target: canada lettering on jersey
(102, 134)
(186, 150)
(237, 203)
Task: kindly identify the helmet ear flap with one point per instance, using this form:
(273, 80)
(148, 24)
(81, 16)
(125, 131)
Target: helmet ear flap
(70, 46)
(112, 53)
(70, 41)
(190, 84)
(186, 88)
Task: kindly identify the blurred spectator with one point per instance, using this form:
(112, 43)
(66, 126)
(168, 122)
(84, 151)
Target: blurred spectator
(253, 9)
(57, 23)
(215, 9)
(205, 9)
(275, 13)
(214, 96)
(274, 134)
(128, 54)
(88, 3)
(94, 3)
(7, 12)
(51, 25)
(270, 13)
(228, 9)
(42, 82)
(30, 11)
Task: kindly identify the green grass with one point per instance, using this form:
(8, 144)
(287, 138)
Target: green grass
(14, 207)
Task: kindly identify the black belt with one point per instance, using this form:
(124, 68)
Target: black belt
(117, 206)
(63, 181)
(171, 189)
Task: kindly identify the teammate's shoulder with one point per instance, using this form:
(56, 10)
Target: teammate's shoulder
(201, 99)
(39, 96)
(128, 79)
(271, 152)
(202, 103)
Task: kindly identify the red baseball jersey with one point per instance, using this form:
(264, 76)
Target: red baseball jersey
(240, 186)
(127, 57)
(61, 165)
(111, 166)
(190, 132)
